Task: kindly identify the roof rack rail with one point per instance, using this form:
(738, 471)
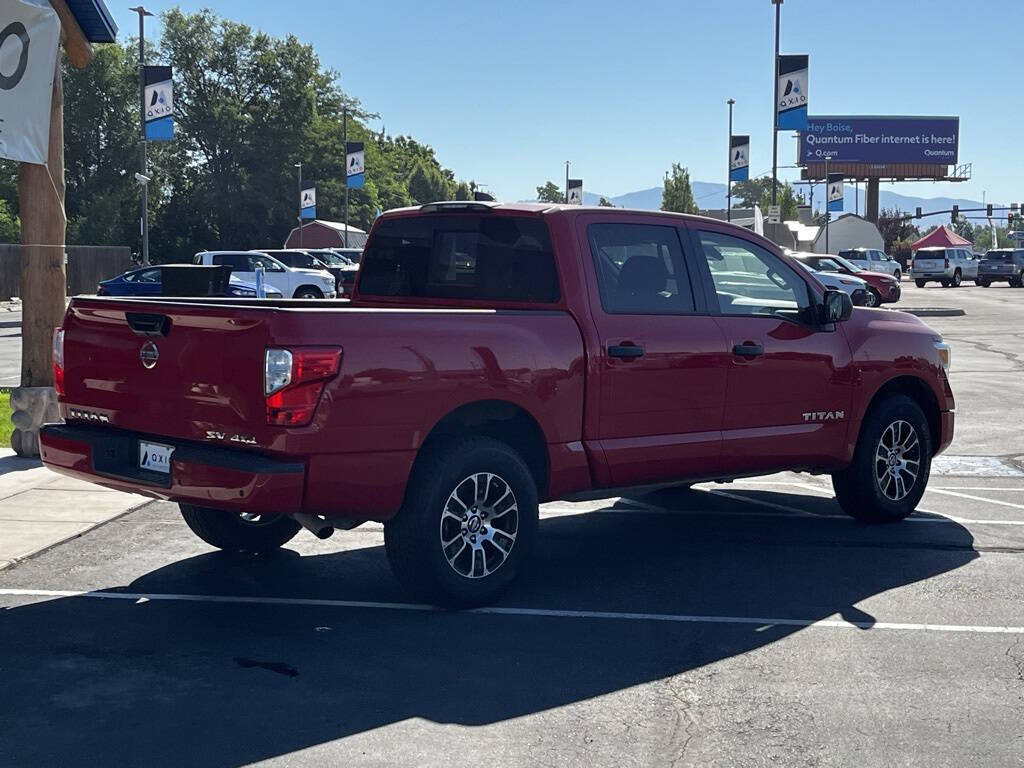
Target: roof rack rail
(458, 205)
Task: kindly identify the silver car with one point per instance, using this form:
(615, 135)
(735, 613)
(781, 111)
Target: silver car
(856, 288)
(874, 260)
(947, 266)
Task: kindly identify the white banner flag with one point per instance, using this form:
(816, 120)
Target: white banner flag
(29, 35)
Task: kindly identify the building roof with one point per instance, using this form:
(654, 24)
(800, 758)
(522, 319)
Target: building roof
(337, 225)
(95, 20)
(942, 237)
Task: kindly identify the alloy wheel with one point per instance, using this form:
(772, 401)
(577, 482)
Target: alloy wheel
(897, 460)
(479, 524)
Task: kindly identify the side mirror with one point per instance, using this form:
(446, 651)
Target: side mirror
(836, 308)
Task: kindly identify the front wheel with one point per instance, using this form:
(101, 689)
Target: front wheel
(467, 524)
(920, 283)
(898, 275)
(308, 292)
(891, 464)
(983, 283)
(239, 531)
(872, 299)
(1018, 282)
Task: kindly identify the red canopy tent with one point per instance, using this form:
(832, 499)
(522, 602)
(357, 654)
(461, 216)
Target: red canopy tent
(943, 237)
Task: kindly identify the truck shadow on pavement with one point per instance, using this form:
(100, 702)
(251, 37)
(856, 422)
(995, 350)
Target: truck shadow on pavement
(199, 684)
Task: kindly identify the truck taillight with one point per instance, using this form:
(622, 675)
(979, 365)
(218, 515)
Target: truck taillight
(58, 360)
(293, 380)
(947, 262)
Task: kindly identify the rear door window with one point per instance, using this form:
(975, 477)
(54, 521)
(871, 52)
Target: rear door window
(461, 256)
(640, 269)
(237, 261)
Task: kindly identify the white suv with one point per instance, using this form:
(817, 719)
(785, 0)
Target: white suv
(874, 260)
(294, 283)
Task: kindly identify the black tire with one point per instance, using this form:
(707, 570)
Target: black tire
(1018, 282)
(920, 283)
(983, 283)
(860, 488)
(413, 538)
(958, 278)
(898, 275)
(873, 298)
(945, 283)
(308, 292)
(231, 532)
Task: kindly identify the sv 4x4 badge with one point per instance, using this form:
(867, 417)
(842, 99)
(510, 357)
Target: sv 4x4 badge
(244, 439)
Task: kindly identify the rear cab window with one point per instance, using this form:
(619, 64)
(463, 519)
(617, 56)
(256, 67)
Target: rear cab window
(463, 256)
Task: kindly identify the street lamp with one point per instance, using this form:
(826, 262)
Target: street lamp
(728, 171)
(299, 166)
(143, 13)
(775, 109)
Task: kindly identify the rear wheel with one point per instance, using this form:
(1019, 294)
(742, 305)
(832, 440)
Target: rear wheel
(957, 278)
(920, 283)
(891, 464)
(467, 524)
(239, 531)
(1017, 282)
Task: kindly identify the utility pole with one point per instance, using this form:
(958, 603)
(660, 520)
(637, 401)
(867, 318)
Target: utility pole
(728, 170)
(143, 13)
(344, 141)
(299, 166)
(775, 109)
(566, 181)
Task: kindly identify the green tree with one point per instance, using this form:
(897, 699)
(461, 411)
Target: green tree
(463, 192)
(605, 203)
(983, 238)
(10, 227)
(964, 228)
(747, 194)
(896, 227)
(550, 193)
(677, 195)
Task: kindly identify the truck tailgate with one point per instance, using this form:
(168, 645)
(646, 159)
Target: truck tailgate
(203, 369)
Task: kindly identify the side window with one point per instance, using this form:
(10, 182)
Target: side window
(150, 276)
(269, 265)
(750, 280)
(640, 269)
(234, 260)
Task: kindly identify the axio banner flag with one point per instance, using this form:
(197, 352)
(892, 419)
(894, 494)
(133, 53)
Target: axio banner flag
(574, 192)
(158, 100)
(793, 92)
(307, 200)
(835, 192)
(739, 158)
(29, 35)
(880, 140)
(355, 170)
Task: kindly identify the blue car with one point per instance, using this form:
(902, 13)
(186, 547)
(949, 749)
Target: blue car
(146, 282)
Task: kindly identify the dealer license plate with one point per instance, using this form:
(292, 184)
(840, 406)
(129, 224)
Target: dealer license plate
(155, 457)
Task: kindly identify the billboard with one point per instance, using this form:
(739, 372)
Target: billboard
(880, 140)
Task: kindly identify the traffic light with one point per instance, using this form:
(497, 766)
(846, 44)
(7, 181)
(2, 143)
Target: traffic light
(988, 210)
(918, 214)
(956, 214)
(1009, 219)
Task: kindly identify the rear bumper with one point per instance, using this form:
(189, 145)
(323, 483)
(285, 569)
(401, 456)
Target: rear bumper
(200, 474)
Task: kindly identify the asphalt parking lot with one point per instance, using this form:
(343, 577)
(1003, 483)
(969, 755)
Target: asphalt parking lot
(746, 624)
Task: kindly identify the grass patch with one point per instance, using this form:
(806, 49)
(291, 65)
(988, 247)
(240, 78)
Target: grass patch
(5, 418)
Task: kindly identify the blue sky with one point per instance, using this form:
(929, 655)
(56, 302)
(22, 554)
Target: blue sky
(507, 92)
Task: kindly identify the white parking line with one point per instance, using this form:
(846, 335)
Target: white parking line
(760, 622)
(971, 497)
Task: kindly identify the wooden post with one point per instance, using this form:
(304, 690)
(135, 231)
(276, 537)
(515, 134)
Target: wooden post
(43, 275)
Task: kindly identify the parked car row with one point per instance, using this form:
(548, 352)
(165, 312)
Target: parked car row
(879, 287)
(873, 260)
(950, 267)
(148, 281)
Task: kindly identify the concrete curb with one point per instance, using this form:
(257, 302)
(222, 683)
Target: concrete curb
(936, 312)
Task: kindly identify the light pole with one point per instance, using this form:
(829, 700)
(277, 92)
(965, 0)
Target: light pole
(828, 213)
(775, 109)
(143, 13)
(567, 182)
(728, 173)
(344, 142)
(299, 166)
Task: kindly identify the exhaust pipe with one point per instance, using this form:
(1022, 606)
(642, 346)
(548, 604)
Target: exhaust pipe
(318, 526)
(324, 527)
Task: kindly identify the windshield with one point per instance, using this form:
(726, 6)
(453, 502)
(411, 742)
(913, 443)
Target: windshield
(846, 263)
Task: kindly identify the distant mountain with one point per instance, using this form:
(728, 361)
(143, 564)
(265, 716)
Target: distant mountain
(712, 195)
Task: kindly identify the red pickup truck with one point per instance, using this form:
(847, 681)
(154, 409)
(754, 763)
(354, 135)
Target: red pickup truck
(495, 356)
